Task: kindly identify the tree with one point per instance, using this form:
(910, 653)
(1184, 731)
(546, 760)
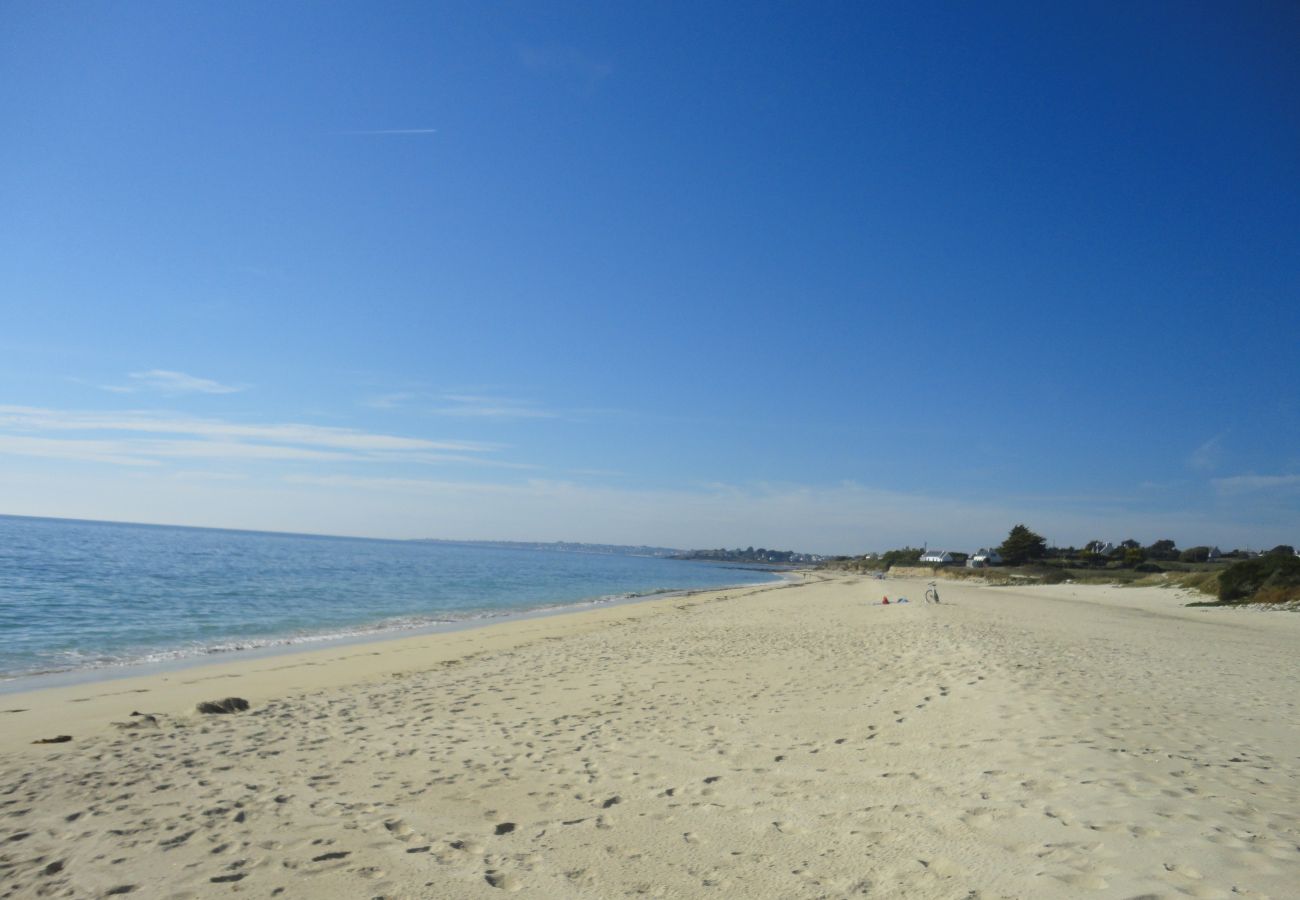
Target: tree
(1165, 549)
(1195, 554)
(1021, 546)
(907, 556)
(1282, 550)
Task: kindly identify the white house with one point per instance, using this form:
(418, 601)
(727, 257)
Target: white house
(937, 557)
(983, 557)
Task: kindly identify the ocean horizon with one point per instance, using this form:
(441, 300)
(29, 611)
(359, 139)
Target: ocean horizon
(97, 599)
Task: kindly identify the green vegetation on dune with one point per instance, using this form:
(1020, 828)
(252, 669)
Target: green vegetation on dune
(1274, 578)
(1236, 577)
(905, 556)
(1205, 581)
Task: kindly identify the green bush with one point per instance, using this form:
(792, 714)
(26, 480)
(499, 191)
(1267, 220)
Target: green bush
(1276, 575)
(907, 556)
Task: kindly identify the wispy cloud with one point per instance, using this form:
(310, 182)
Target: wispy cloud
(144, 438)
(340, 491)
(1208, 455)
(113, 452)
(141, 452)
(1245, 484)
(165, 381)
(478, 407)
(37, 419)
(390, 401)
(462, 405)
(202, 475)
(842, 518)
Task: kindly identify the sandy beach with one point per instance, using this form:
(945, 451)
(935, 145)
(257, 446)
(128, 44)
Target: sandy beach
(796, 740)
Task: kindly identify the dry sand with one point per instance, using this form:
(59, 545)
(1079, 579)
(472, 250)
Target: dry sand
(794, 741)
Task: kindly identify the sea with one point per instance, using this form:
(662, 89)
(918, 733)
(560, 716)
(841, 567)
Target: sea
(101, 598)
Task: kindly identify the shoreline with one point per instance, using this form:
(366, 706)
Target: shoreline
(792, 740)
(110, 687)
(179, 659)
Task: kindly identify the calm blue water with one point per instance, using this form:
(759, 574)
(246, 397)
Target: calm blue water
(78, 595)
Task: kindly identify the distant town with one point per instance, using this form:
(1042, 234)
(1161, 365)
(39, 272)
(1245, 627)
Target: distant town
(747, 555)
(750, 555)
(1098, 554)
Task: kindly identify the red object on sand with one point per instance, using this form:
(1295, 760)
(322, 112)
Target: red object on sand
(885, 602)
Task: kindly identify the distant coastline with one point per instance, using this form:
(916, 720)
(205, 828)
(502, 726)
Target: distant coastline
(761, 556)
(564, 547)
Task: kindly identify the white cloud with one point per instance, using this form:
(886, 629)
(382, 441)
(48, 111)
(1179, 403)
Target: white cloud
(113, 452)
(150, 452)
(165, 381)
(471, 406)
(390, 401)
(1208, 455)
(321, 497)
(205, 475)
(404, 485)
(144, 438)
(1244, 484)
(461, 405)
(147, 452)
(847, 518)
(36, 419)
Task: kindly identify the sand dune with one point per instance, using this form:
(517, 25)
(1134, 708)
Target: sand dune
(793, 741)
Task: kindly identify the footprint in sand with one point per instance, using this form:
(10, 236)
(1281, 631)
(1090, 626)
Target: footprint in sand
(503, 880)
(400, 830)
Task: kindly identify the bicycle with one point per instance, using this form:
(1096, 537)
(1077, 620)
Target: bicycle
(931, 594)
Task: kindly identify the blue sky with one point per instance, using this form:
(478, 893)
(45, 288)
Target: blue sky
(832, 277)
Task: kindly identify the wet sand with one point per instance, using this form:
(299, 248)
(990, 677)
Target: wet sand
(777, 741)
